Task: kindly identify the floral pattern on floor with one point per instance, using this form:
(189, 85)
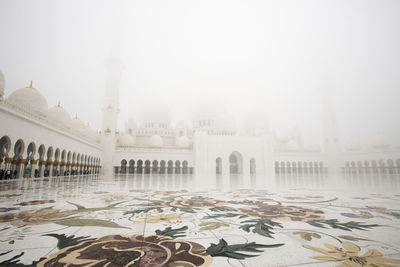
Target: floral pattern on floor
(109, 225)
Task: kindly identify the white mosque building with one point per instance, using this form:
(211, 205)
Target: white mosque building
(37, 141)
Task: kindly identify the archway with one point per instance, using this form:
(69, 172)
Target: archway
(235, 163)
(218, 168)
(177, 166)
(30, 160)
(147, 167)
(162, 167)
(123, 166)
(252, 166)
(155, 166)
(170, 167)
(5, 146)
(139, 166)
(131, 166)
(185, 167)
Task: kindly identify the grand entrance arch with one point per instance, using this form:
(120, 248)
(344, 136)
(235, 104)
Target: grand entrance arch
(235, 163)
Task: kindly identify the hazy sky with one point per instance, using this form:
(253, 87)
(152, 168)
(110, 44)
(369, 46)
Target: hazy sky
(275, 54)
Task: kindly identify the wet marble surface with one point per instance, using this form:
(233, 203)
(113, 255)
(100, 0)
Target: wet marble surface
(168, 221)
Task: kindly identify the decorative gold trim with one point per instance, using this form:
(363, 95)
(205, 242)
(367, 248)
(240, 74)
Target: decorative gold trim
(34, 161)
(42, 163)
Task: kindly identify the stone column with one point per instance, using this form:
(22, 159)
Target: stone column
(8, 163)
(20, 167)
(51, 167)
(33, 168)
(42, 165)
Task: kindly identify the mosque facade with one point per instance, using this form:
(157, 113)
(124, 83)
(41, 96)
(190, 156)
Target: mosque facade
(38, 141)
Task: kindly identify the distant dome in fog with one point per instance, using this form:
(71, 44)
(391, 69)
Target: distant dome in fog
(225, 122)
(207, 108)
(380, 141)
(156, 114)
(353, 145)
(126, 140)
(59, 115)
(156, 141)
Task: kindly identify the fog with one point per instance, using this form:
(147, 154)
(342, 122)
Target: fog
(275, 55)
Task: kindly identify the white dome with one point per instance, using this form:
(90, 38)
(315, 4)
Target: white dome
(380, 141)
(207, 110)
(353, 145)
(156, 116)
(30, 99)
(292, 145)
(90, 132)
(59, 115)
(78, 126)
(156, 141)
(183, 142)
(225, 123)
(126, 140)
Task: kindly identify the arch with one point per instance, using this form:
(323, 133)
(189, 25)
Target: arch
(123, 166)
(277, 167)
(235, 163)
(57, 155)
(140, 166)
(390, 164)
(170, 168)
(252, 166)
(131, 166)
(162, 167)
(177, 166)
(30, 160)
(147, 166)
(185, 168)
(19, 149)
(218, 167)
(5, 146)
(155, 166)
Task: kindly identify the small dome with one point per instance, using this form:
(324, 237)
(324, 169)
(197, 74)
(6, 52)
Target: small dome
(59, 115)
(90, 132)
(292, 145)
(78, 126)
(183, 142)
(380, 141)
(156, 141)
(126, 140)
(353, 145)
(225, 123)
(29, 98)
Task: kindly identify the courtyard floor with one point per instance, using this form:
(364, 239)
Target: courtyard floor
(92, 221)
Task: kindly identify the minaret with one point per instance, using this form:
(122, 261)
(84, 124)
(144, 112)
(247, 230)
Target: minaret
(114, 67)
(330, 133)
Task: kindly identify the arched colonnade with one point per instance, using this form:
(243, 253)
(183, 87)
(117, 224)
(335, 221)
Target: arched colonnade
(30, 159)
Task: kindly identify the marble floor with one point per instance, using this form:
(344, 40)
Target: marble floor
(168, 221)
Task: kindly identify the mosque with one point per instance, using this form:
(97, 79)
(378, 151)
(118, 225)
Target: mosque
(38, 141)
